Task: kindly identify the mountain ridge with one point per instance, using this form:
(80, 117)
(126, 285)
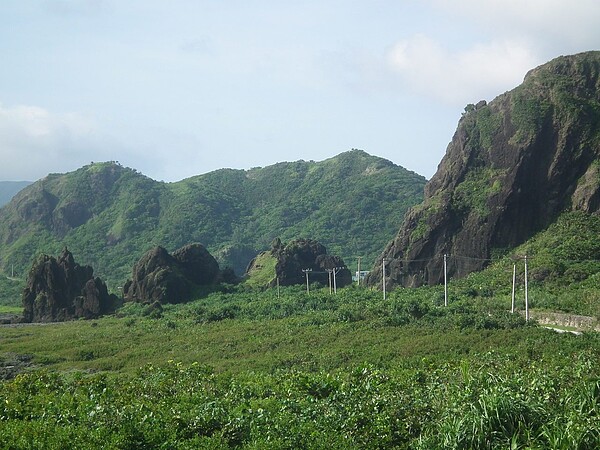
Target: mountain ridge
(109, 215)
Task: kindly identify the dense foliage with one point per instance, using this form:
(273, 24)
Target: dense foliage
(10, 291)
(563, 267)
(491, 402)
(245, 368)
(109, 215)
(241, 367)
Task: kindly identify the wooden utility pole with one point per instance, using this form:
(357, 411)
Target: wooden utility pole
(358, 272)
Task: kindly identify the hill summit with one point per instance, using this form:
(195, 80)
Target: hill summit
(513, 166)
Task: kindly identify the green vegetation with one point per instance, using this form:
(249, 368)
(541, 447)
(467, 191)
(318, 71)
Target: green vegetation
(264, 270)
(528, 114)
(249, 369)
(559, 89)
(245, 368)
(108, 215)
(492, 402)
(240, 367)
(473, 192)
(489, 124)
(7, 309)
(563, 264)
(10, 291)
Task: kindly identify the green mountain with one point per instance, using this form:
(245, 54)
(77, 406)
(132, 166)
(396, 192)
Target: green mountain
(513, 168)
(109, 215)
(8, 189)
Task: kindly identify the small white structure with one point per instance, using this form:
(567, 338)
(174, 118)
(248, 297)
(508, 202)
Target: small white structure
(362, 274)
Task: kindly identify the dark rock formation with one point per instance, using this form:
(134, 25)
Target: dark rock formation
(197, 264)
(60, 289)
(511, 168)
(301, 254)
(161, 277)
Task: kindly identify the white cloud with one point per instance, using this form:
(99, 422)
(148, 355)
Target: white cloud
(570, 25)
(460, 77)
(34, 141)
(37, 123)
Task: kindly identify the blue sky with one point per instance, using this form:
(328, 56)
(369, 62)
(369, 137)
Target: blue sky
(180, 87)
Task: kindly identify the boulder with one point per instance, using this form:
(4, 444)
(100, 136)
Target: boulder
(60, 289)
(197, 264)
(161, 277)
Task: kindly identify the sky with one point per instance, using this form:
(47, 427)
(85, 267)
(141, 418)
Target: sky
(179, 88)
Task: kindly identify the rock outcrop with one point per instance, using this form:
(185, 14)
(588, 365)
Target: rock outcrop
(161, 277)
(60, 289)
(511, 168)
(293, 258)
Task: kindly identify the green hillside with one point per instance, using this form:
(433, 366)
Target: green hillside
(108, 215)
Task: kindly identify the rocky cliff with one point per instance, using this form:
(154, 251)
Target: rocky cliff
(60, 289)
(511, 168)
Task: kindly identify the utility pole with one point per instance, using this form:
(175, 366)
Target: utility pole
(277, 287)
(358, 272)
(307, 271)
(383, 276)
(329, 276)
(445, 281)
(512, 308)
(526, 294)
(335, 271)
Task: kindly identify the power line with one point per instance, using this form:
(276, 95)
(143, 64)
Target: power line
(474, 258)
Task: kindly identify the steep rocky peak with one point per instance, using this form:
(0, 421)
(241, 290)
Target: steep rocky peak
(60, 289)
(513, 165)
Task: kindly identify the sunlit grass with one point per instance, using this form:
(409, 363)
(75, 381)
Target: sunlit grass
(7, 309)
